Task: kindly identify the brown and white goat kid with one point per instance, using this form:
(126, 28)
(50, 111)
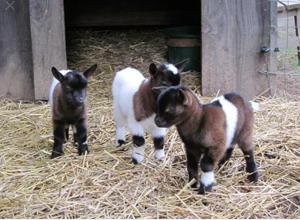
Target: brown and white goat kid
(134, 105)
(67, 99)
(209, 131)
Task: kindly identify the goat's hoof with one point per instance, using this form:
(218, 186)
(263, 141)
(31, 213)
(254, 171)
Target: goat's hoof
(159, 154)
(137, 158)
(56, 154)
(82, 152)
(120, 143)
(134, 161)
(253, 177)
(194, 186)
(203, 188)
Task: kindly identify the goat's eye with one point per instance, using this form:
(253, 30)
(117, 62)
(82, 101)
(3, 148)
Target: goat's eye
(69, 89)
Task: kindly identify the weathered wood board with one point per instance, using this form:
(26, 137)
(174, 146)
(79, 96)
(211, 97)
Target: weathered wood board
(32, 39)
(48, 42)
(16, 79)
(233, 33)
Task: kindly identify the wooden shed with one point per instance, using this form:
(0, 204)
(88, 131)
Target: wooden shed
(233, 33)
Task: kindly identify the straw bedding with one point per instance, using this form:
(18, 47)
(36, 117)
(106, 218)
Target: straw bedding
(105, 184)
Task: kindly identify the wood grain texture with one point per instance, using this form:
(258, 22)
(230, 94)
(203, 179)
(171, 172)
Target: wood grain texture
(16, 81)
(48, 42)
(232, 35)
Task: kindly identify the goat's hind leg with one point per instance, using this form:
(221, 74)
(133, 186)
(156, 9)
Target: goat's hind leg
(120, 126)
(247, 149)
(66, 134)
(227, 155)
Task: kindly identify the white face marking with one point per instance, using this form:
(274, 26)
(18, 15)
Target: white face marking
(159, 154)
(172, 68)
(208, 178)
(231, 114)
(138, 153)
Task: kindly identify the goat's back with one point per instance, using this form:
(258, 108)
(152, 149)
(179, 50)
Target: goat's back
(125, 84)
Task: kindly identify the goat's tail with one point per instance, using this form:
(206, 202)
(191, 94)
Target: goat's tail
(255, 106)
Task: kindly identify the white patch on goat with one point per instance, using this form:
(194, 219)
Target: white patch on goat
(159, 154)
(208, 178)
(53, 85)
(231, 114)
(172, 68)
(255, 106)
(138, 153)
(120, 133)
(125, 84)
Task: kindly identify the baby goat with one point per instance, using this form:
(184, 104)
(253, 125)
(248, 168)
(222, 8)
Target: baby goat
(67, 99)
(134, 105)
(209, 131)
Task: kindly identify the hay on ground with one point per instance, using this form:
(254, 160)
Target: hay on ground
(105, 184)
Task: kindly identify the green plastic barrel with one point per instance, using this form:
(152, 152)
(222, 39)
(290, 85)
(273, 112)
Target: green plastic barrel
(184, 42)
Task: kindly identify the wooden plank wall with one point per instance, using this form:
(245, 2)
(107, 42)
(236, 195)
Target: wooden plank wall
(16, 80)
(48, 42)
(32, 39)
(131, 12)
(232, 34)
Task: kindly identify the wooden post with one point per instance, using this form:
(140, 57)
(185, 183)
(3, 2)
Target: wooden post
(231, 43)
(16, 80)
(32, 39)
(48, 42)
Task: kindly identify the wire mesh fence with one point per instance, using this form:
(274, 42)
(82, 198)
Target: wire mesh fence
(288, 41)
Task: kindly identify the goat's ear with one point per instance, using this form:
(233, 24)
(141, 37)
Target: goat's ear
(159, 89)
(90, 71)
(57, 74)
(181, 65)
(152, 69)
(185, 97)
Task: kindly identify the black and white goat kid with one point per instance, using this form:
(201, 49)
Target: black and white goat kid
(67, 99)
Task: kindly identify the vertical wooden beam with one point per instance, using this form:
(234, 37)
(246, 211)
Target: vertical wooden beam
(233, 33)
(15, 51)
(48, 42)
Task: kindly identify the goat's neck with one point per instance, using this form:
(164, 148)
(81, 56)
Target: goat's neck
(144, 101)
(68, 108)
(191, 119)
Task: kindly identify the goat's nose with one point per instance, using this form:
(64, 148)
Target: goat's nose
(80, 99)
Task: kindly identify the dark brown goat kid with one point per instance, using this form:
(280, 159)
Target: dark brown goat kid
(209, 131)
(67, 99)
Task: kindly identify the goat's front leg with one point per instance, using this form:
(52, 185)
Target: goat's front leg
(81, 137)
(138, 140)
(59, 137)
(192, 166)
(209, 161)
(158, 141)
